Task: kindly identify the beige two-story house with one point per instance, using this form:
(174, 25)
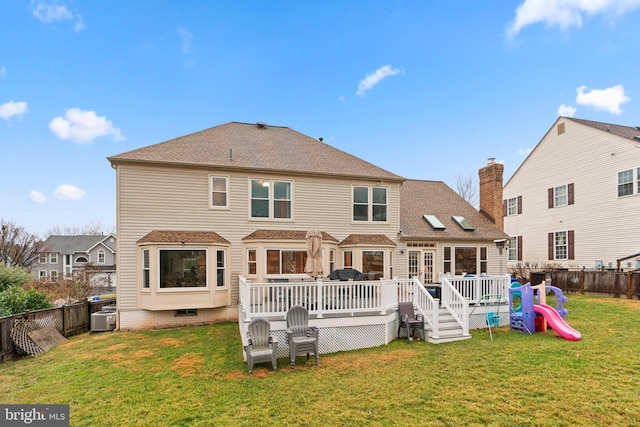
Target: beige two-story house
(573, 202)
(196, 212)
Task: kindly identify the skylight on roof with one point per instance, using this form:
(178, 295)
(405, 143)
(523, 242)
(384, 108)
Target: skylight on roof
(434, 222)
(464, 223)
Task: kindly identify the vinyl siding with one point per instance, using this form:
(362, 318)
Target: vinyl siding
(162, 198)
(605, 225)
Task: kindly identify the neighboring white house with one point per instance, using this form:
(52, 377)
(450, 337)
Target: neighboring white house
(575, 199)
(62, 256)
(196, 212)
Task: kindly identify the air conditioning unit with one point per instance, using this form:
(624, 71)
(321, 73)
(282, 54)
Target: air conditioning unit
(103, 321)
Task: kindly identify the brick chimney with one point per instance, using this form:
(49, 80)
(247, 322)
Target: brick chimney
(491, 192)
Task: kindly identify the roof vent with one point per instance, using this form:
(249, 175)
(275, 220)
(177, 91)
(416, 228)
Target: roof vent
(261, 125)
(637, 127)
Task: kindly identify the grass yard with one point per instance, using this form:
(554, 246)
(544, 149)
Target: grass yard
(196, 376)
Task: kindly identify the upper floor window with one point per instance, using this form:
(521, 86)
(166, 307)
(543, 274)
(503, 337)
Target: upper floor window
(101, 256)
(53, 258)
(513, 206)
(370, 203)
(270, 199)
(625, 183)
(561, 196)
(43, 258)
(219, 191)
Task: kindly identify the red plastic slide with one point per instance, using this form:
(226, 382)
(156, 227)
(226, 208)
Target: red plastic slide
(557, 323)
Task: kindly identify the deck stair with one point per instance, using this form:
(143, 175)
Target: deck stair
(449, 329)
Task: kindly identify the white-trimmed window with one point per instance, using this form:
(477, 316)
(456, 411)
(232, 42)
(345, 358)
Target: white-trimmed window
(332, 260)
(145, 269)
(53, 258)
(221, 268)
(219, 186)
(347, 259)
(42, 275)
(625, 183)
(42, 259)
(561, 245)
(101, 256)
(286, 261)
(53, 275)
(183, 268)
(560, 196)
(271, 199)
(514, 206)
(252, 262)
(373, 264)
(370, 204)
(513, 249)
(460, 260)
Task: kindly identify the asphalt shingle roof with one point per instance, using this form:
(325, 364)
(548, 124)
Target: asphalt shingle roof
(285, 235)
(164, 236)
(72, 244)
(419, 198)
(628, 132)
(251, 146)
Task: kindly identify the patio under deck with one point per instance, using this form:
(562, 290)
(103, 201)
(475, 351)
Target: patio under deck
(362, 314)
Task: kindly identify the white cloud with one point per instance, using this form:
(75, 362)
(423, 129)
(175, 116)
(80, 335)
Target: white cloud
(524, 152)
(10, 109)
(566, 110)
(608, 99)
(37, 197)
(374, 78)
(186, 39)
(83, 126)
(565, 13)
(68, 192)
(3, 71)
(48, 13)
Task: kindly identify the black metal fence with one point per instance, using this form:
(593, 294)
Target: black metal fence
(71, 319)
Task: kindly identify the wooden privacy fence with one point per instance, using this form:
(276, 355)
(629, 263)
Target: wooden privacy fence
(620, 284)
(71, 319)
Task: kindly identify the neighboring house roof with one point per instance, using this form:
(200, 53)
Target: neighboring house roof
(164, 236)
(254, 147)
(419, 198)
(75, 244)
(367, 239)
(628, 132)
(284, 235)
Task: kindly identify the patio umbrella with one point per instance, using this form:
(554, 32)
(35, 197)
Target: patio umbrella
(313, 267)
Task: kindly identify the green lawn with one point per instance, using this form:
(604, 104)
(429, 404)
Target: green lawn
(196, 376)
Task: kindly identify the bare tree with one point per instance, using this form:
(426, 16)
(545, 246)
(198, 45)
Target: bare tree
(522, 270)
(93, 228)
(75, 288)
(468, 189)
(18, 248)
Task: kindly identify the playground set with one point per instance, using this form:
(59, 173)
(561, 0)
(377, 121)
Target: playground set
(525, 316)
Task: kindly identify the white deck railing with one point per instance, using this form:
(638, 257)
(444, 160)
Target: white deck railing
(342, 299)
(319, 297)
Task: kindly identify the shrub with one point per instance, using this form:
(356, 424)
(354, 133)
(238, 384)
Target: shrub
(12, 276)
(15, 299)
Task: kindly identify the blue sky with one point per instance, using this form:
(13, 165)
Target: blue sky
(424, 89)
